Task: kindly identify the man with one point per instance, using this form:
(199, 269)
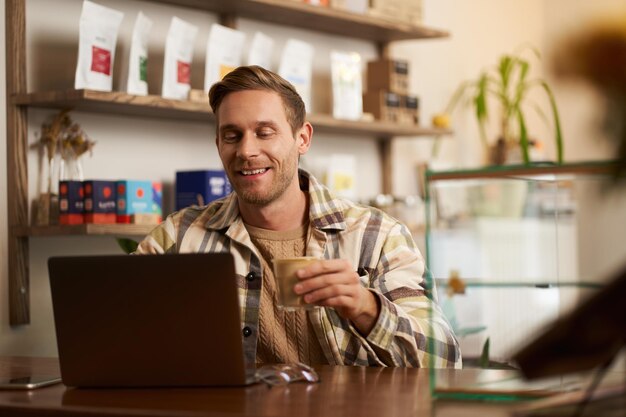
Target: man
(369, 277)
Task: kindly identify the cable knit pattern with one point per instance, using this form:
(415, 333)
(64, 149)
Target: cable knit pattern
(285, 336)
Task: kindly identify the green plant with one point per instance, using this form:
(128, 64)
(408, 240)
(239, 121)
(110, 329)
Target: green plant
(509, 84)
(127, 245)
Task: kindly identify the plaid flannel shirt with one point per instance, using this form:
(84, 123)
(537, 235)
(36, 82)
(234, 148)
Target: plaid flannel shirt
(411, 329)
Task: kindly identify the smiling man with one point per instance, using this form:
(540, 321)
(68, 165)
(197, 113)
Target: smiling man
(376, 309)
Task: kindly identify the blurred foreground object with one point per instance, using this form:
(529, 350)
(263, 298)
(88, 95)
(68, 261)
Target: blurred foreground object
(597, 54)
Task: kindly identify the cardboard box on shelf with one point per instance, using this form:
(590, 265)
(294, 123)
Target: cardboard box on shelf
(389, 75)
(71, 202)
(384, 105)
(413, 12)
(405, 11)
(386, 9)
(200, 187)
(133, 197)
(410, 110)
(157, 201)
(354, 6)
(100, 205)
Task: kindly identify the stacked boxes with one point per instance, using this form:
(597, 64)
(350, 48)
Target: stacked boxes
(107, 202)
(387, 95)
(200, 187)
(133, 201)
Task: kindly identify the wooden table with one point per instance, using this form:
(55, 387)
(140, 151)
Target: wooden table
(343, 391)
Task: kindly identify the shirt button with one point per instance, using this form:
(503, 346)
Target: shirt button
(247, 331)
(250, 277)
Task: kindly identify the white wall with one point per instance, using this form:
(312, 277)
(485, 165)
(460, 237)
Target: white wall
(481, 30)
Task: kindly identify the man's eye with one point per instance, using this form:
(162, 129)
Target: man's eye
(265, 133)
(229, 136)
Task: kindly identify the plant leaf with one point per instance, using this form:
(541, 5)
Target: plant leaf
(127, 245)
(480, 102)
(523, 136)
(558, 136)
(484, 356)
(522, 87)
(504, 69)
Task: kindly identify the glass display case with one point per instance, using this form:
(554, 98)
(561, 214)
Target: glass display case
(505, 248)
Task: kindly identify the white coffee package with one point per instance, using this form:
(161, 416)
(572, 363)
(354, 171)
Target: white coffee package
(223, 53)
(345, 69)
(296, 66)
(261, 50)
(178, 57)
(138, 61)
(96, 48)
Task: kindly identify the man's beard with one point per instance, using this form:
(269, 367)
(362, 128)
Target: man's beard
(278, 187)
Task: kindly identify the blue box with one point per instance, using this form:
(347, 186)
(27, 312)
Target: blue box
(200, 187)
(133, 197)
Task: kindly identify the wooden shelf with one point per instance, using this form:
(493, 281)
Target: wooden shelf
(83, 229)
(117, 103)
(316, 18)
(158, 107)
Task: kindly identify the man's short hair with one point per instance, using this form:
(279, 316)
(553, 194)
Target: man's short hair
(254, 77)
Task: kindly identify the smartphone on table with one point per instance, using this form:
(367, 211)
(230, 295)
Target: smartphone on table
(28, 382)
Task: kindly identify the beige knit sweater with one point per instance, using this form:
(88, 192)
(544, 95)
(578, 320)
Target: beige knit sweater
(284, 336)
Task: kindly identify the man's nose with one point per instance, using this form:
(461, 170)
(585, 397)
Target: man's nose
(248, 146)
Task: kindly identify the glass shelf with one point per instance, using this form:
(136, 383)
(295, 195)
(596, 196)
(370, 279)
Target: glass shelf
(503, 249)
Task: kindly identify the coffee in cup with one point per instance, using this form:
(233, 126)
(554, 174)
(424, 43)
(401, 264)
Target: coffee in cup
(285, 277)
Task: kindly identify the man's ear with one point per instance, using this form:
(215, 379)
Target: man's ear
(304, 138)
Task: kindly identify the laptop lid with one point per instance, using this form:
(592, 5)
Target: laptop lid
(147, 320)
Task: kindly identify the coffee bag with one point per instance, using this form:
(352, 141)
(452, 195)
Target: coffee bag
(178, 57)
(138, 61)
(96, 49)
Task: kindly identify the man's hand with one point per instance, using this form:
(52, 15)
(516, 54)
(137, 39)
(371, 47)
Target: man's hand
(333, 283)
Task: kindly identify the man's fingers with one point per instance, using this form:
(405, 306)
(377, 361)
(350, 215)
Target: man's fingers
(330, 292)
(310, 284)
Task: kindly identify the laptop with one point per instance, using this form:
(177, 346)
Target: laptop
(148, 320)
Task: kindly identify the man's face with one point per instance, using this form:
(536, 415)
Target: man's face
(257, 147)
